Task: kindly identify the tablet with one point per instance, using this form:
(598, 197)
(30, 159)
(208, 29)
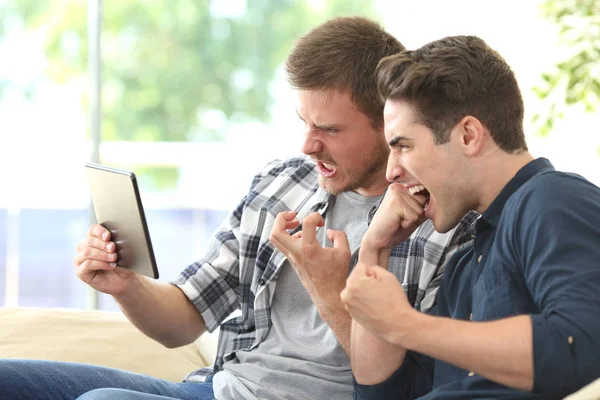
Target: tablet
(118, 207)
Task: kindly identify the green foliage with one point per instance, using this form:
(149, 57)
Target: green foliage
(576, 79)
(167, 63)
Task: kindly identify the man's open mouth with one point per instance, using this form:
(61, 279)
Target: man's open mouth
(326, 169)
(421, 191)
(327, 166)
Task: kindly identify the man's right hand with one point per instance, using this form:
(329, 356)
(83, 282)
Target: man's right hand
(95, 263)
(398, 216)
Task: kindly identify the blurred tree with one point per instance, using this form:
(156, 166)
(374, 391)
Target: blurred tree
(176, 70)
(576, 79)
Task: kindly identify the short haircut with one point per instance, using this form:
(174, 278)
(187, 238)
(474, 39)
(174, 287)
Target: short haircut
(342, 54)
(453, 77)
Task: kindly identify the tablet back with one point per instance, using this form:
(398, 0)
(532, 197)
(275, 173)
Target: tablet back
(118, 208)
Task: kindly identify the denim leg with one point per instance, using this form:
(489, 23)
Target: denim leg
(197, 391)
(32, 379)
(122, 394)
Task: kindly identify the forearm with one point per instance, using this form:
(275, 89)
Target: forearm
(372, 255)
(162, 312)
(335, 315)
(501, 350)
(373, 359)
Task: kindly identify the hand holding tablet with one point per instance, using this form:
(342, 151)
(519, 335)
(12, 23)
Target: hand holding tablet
(118, 207)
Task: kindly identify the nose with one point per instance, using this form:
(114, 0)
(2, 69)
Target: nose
(312, 144)
(394, 172)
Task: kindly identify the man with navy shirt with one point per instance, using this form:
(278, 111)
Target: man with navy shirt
(518, 311)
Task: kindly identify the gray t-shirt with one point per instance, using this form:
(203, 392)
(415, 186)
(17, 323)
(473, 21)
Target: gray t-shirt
(300, 358)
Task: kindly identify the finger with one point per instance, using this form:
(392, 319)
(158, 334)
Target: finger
(416, 203)
(410, 217)
(99, 231)
(309, 227)
(378, 273)
(95, 242)
(344, 298)
(297, 235)
(398, 194)
(359, 272)
(280, 237)
(279, 245)
(89, 266)
(90, 253)
(339, 239)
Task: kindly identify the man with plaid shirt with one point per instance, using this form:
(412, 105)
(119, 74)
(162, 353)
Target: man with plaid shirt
(281, 258)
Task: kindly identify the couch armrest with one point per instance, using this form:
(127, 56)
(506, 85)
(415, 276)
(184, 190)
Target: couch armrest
(93, 337)
(589, 392)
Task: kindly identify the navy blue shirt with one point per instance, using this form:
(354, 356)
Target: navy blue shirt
(536, 252)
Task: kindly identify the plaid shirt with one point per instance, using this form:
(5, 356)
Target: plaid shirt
(241, 265)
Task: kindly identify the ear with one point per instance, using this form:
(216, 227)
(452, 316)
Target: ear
(471, 133)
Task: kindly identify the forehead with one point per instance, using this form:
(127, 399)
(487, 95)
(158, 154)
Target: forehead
(397, 117)
(325, 104)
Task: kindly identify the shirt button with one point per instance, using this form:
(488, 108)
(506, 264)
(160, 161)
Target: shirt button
(261, 281)
(479, 259)
(471, 373)
(570, 340)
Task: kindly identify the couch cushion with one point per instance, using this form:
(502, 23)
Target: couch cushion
(92, 337)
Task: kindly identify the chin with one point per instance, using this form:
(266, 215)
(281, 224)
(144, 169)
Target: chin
(330, 186)
(442, 226)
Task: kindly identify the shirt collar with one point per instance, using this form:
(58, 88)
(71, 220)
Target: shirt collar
(492, 214)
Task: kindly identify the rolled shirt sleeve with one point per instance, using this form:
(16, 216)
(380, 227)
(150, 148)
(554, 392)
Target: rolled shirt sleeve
(558, 242)
(413, 379)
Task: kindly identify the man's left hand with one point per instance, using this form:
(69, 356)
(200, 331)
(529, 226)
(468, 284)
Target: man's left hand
(323, 271)
(376, 300)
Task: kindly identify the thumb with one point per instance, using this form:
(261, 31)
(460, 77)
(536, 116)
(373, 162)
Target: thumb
(377, 272)
(361, 269)
(338, 238)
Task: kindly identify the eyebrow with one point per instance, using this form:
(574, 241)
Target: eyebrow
(298, 114)
(394, 141)
(320, 126)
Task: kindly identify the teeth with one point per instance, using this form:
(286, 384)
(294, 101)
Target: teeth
(415, 189)
(328, 166)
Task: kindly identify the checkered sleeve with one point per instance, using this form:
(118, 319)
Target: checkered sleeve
(213, 283)
(456, 239)
(418, 262)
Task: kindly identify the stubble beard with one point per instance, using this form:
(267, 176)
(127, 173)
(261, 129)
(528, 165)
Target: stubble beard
(364, 178)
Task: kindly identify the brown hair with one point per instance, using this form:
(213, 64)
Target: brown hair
(451, 78)
(342, 54)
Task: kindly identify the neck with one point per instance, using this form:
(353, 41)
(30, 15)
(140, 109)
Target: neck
(376, 189)
(498, 169)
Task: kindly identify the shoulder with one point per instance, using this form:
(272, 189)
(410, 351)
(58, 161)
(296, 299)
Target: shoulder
(555, 200)
(299, 167)
(551, 190)
(284, 179)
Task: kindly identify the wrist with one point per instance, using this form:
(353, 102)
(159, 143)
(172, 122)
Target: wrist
(130, 290)
(373, 253)
(407, 329)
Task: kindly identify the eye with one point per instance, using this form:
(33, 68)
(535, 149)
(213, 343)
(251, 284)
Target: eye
(327, 129)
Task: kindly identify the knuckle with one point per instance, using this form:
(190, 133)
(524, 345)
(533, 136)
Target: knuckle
(86, 252)
(82, 267)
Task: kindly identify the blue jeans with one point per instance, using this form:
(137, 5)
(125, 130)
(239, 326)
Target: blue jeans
(31, 379)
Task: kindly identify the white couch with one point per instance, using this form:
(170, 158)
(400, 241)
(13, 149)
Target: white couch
(109, 339)
(99, 338)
